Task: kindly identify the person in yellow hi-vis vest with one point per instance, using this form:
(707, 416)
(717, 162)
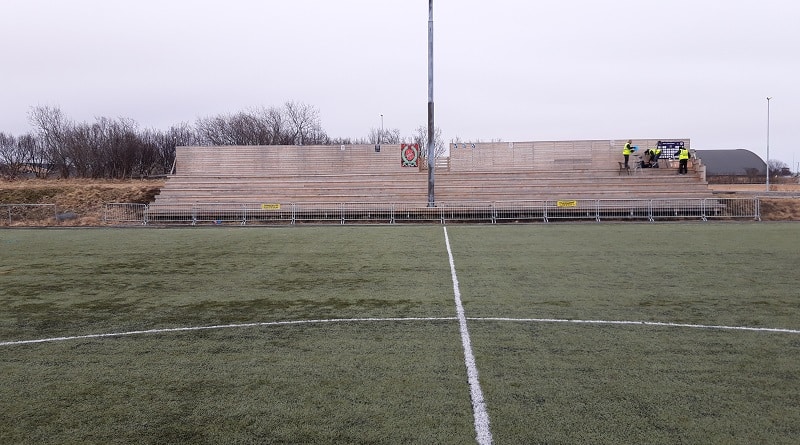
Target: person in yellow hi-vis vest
(626, 151)
(683, 161)
(656, 152)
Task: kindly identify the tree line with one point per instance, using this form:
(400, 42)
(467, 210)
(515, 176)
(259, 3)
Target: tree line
(119, 148)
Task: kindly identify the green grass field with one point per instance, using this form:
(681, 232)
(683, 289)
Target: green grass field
(581, 333)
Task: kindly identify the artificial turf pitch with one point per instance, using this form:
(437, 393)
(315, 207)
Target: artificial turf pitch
(349, 334)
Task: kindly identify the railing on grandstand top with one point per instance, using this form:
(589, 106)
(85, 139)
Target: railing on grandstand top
(445, 212)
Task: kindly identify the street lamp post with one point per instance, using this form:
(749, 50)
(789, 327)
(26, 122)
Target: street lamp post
(768, 99)
(380, 136)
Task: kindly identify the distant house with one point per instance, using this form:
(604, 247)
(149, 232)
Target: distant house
(732, 166)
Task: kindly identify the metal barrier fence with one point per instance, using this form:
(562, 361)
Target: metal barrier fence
(27, 214)
(119, 213)
(444, 212)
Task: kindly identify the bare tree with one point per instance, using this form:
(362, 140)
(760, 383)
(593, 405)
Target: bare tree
(776, 167)
(421, 137)
(304, 124)
(348, 141)
(52, 128)
(36, 155)
(108, 148)
(214, 130)
(116, 148)
(275, 121)
(83, 144)
(123, 148)
(294, 124)
(149, 160)
(265, 126)
(180, 135)
(12, 156)
(388, 136)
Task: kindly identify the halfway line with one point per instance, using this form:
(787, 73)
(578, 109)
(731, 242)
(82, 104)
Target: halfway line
(484, 434)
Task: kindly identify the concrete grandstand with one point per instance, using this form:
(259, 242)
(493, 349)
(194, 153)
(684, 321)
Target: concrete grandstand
(472, 173)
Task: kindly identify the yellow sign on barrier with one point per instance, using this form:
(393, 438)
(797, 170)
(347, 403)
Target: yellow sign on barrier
(572, 203)
(270, 206)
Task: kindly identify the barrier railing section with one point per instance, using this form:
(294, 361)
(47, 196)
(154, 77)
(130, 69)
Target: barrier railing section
(444, 212)
(217, 213)
(27, 214)
(124, 213)
(364, 213)
(733, 207)
(521, 211)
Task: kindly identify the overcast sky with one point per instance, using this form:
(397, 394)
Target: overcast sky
(515, 70)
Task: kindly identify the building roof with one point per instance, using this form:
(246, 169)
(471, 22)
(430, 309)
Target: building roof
(731, 162)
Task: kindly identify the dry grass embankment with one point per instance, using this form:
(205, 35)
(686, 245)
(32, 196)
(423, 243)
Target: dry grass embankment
(83, 197)
(783, 207)
(86, 197)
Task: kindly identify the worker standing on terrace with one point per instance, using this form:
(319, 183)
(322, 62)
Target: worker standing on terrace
(626, 152)
(683, 161)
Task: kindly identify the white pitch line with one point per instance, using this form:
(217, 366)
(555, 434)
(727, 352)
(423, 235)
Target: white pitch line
(344, 320)
(222, 326)
(641, 323)
(482, 430)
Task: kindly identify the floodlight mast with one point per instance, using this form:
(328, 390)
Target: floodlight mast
(768, 99)
(431, 161)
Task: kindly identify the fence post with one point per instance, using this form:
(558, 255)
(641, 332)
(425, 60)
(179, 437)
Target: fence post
(758, 208)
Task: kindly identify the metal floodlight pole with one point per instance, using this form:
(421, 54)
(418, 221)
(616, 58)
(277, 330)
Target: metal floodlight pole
(768, 99)
(380, 136)
(431, 162)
